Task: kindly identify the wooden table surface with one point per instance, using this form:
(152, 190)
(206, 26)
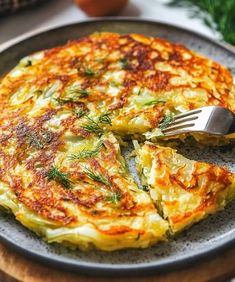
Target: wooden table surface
(15, 267)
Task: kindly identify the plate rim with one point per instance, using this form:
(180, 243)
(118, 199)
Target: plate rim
(120, 270)
(27, 35)
(105, 269)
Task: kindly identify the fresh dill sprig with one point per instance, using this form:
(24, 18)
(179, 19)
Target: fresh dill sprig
(89, 73)
(78, 93)
(96, 176)
(85, 154)
(114, 197)
(145, 188)
(155, 102)
(216, 14)
(80, 113)
(140, 91)
(166, 121)
(83, 93)
(60, 177)
(28, 63)
(62, 101)
(84, 70)
(124, 63)
(114, 83)
(104, 118)
(92, 126)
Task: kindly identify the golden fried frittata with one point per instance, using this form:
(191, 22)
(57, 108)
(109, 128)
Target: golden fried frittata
(139, 80)
(184, 191)
(62, 173)
(75, 190)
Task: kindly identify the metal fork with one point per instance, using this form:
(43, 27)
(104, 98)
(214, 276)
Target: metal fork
(213, 120)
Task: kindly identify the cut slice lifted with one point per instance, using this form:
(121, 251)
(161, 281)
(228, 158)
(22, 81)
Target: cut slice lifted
(185, 191)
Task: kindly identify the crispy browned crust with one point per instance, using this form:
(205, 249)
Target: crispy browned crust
(210, 186)
(99, 53)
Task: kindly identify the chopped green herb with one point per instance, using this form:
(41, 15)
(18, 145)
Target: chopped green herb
(60, 177)
(124, 63)
(93, 127)
(83, 93)
(87, 154)
(114, 83)
(77, 92)
(190, 139)
(62, 101)
(28, 64)
(80, 93)
(145, 188)
(89, 73)
(80, 113)
(84, 70)
(96, 176)
(139, 91)
(166, 121)
(114, 197)
(104, 118)
(155, 102)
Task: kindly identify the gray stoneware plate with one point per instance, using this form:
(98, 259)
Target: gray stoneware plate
(203, 239)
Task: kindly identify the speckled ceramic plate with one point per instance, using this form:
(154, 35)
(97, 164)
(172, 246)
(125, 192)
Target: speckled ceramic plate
(204, 238)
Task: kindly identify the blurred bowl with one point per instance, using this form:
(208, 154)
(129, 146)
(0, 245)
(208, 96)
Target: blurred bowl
(99, 8)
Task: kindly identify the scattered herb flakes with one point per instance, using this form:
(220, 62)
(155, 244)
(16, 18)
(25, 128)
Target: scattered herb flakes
(89, 73)
(104, 118)
(86, 71)
(83, 93)
(28, 63)
(96, 176)
(140, 91)
(80, 113)
(114, 83)
(62, 101)
(60, 177)
(85, 154)
(114, 197)
(166, 121)
(124, 63)
(145, 188)
(155, 102)
(77, 93)
(92, 126)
